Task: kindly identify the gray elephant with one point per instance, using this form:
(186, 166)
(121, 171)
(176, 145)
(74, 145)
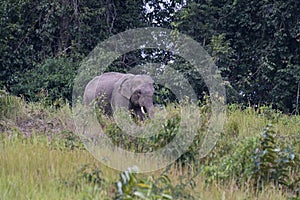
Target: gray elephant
(115, 90)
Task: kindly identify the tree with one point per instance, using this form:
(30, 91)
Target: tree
(34, 32)
(262, 60)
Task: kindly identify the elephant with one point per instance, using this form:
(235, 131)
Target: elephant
(117, 90)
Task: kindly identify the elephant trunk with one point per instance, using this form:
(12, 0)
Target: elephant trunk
(146, 110)
(150, 111)
(146, 106)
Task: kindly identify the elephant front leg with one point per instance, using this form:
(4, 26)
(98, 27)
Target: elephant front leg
(104, 105)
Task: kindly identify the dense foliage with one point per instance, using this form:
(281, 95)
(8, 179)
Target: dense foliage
(44, 41)
(255, 43)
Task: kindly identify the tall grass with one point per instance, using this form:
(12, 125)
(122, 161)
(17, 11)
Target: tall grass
(42, 158)
(33, 169)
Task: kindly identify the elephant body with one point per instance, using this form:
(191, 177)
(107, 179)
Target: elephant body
(116, 90)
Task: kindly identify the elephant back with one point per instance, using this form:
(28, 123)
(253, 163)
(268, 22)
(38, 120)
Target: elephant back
(101, 85)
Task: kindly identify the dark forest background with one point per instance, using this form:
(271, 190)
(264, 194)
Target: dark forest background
(255, 43)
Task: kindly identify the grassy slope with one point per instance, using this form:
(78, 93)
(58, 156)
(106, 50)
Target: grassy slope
(43, 167)
(30, 170)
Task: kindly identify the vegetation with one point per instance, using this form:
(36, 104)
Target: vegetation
(254, 43)
(252, 159)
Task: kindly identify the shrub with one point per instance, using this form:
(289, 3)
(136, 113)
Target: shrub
(231, 162)
(165, 132)
(50, 81)
(131, 186)
(259, 161)
(275, 161)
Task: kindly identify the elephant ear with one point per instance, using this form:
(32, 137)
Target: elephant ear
(132, 85)
(135, 97)
(126, 87)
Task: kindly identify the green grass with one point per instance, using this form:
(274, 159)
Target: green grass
(51, 163)
(33, 170)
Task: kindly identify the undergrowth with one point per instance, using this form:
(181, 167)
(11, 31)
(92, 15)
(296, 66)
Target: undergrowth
(256, 157)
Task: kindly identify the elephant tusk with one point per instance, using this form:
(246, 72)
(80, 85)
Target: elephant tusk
(143, 111)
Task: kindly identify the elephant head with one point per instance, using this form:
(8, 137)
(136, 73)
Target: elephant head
(135, 93)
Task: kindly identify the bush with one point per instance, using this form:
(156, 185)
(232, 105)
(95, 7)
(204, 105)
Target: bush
(259, 161)
(165, 132)
(232, 162)
(276, 162)
(131, 186)
(52, 80)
